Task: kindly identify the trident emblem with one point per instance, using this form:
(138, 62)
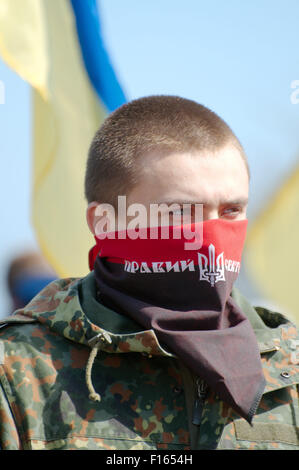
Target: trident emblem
(215, 272)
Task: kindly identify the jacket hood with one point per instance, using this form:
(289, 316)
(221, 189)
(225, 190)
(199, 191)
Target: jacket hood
(59, 307)
(69, 308)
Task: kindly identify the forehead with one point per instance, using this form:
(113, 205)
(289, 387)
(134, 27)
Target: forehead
(204, 177)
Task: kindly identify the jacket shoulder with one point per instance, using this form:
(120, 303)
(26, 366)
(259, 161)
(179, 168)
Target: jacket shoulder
(272, 318)
(15, 319)
(261, 316)
(47, 300)
(8, 323)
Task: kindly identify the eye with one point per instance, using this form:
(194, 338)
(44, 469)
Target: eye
(231, 212)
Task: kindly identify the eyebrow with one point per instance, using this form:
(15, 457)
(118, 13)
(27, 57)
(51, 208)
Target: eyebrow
(228, 202)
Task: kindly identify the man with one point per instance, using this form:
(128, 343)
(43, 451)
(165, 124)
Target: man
(155, 348)
(27, 274)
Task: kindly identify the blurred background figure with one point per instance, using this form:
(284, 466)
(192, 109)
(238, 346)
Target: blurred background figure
(27, 274)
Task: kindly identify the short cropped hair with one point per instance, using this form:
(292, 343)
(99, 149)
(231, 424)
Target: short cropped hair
(164, 124)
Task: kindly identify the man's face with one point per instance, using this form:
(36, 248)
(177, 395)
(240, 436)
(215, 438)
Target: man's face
(219, 181)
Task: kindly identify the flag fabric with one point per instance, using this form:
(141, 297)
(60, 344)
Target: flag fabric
(95, 55)
(272, 248)
(57, 47)
(23, 41)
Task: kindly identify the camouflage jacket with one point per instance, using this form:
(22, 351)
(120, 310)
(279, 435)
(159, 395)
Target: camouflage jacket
(65, 351)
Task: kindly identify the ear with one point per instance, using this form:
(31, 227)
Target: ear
(100, 218)
(91, 216)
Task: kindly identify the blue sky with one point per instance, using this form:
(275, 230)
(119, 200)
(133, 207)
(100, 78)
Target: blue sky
(238, 57)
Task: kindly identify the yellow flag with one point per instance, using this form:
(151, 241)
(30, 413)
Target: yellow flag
(23, 40)
(38, 40)
(272, 253)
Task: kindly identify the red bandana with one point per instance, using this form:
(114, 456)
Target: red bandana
(184, 296)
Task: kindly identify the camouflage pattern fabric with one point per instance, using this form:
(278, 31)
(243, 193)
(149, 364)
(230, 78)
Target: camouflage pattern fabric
(146, 394)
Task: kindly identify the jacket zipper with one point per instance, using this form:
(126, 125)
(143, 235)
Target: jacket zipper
(201, 393)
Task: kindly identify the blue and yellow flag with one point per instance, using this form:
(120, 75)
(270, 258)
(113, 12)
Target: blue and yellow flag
(57, 47)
